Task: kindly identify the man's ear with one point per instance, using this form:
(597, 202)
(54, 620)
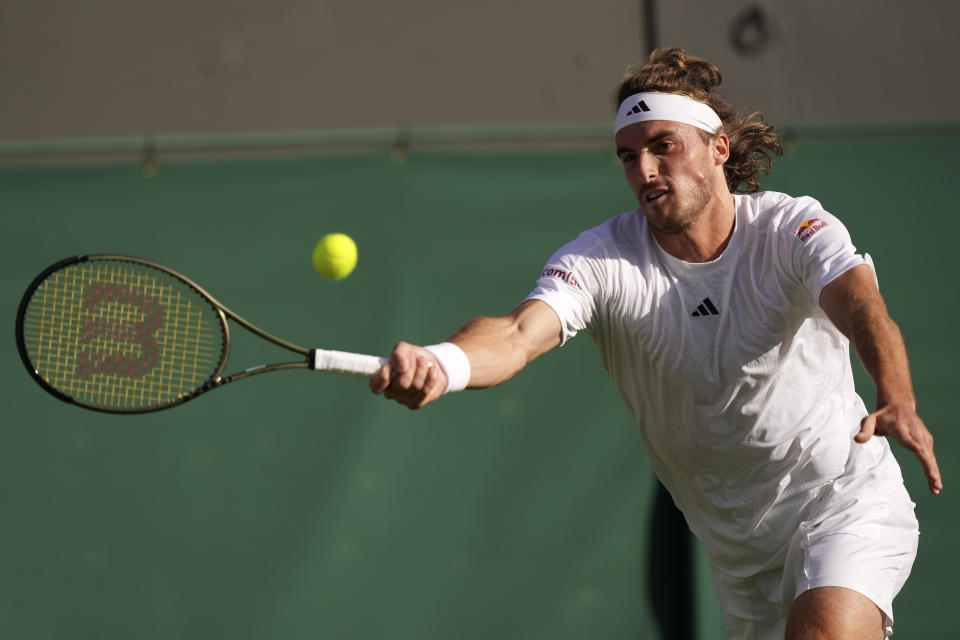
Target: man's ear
(721, 147)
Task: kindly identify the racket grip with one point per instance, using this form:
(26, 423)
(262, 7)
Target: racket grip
(345, 364)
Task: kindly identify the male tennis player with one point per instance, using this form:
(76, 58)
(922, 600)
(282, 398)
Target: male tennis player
(725, 322)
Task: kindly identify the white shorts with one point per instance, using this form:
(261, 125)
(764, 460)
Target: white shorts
(862, 536)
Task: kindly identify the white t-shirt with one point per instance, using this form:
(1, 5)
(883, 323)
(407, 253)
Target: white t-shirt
(741, 386)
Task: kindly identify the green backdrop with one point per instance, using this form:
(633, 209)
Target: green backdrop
(297, 505)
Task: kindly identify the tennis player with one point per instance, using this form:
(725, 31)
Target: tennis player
(724, 317)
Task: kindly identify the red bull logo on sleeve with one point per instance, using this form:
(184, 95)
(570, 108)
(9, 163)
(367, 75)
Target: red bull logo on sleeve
(810, 227)
(566, 276)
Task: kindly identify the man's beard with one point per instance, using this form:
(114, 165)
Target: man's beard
(688, 212)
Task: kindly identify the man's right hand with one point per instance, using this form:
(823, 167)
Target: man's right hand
(412, 377)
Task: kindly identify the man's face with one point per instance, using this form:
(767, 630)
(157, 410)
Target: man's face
(670, 169)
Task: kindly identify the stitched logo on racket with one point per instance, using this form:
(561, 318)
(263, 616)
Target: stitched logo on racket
(109, 328)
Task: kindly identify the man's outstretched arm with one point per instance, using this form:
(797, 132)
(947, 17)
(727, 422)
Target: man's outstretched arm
(496, 349)
(854, 304)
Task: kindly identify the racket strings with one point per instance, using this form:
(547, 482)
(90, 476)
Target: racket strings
(122, 335)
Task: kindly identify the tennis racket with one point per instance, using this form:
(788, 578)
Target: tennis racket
(125, 335)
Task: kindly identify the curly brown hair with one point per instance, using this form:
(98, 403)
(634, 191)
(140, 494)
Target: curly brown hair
(753, 142)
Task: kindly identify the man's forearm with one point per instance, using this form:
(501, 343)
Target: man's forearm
(495, 349)
(879, 344)
(492, 347)
(498, 348)
(855, 306)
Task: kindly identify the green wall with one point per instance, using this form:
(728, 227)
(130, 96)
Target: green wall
(297, 505)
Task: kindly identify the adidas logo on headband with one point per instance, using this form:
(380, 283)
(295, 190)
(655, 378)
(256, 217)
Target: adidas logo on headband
(642, 107)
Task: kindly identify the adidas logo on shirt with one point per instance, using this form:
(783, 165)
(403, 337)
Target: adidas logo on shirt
(705, 308)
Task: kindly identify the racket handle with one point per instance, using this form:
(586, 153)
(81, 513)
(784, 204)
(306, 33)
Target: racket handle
(345, 364)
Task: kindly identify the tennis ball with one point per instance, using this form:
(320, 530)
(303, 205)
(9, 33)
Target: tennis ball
(335, 256)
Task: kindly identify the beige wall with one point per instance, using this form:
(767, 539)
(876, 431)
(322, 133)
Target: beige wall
(832, 61)
(104, 67)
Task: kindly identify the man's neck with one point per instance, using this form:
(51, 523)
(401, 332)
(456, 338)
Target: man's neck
(707, 237)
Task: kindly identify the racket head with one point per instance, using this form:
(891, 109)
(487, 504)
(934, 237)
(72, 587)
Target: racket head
(121, 334)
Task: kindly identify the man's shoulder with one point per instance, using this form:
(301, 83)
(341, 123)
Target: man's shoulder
(773, 211)
(611, 237)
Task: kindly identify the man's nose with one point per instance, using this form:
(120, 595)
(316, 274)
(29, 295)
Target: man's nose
(647, 168)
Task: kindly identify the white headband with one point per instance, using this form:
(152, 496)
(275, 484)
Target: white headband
(641, 107)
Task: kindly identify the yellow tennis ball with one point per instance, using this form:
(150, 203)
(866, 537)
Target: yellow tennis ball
(335, 256)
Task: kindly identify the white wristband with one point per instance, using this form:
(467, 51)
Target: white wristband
(455, 365)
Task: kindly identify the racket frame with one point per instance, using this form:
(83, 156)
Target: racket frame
(216, 379)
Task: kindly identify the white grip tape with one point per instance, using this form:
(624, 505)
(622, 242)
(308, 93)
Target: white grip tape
(346, 364)
(455, 365)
